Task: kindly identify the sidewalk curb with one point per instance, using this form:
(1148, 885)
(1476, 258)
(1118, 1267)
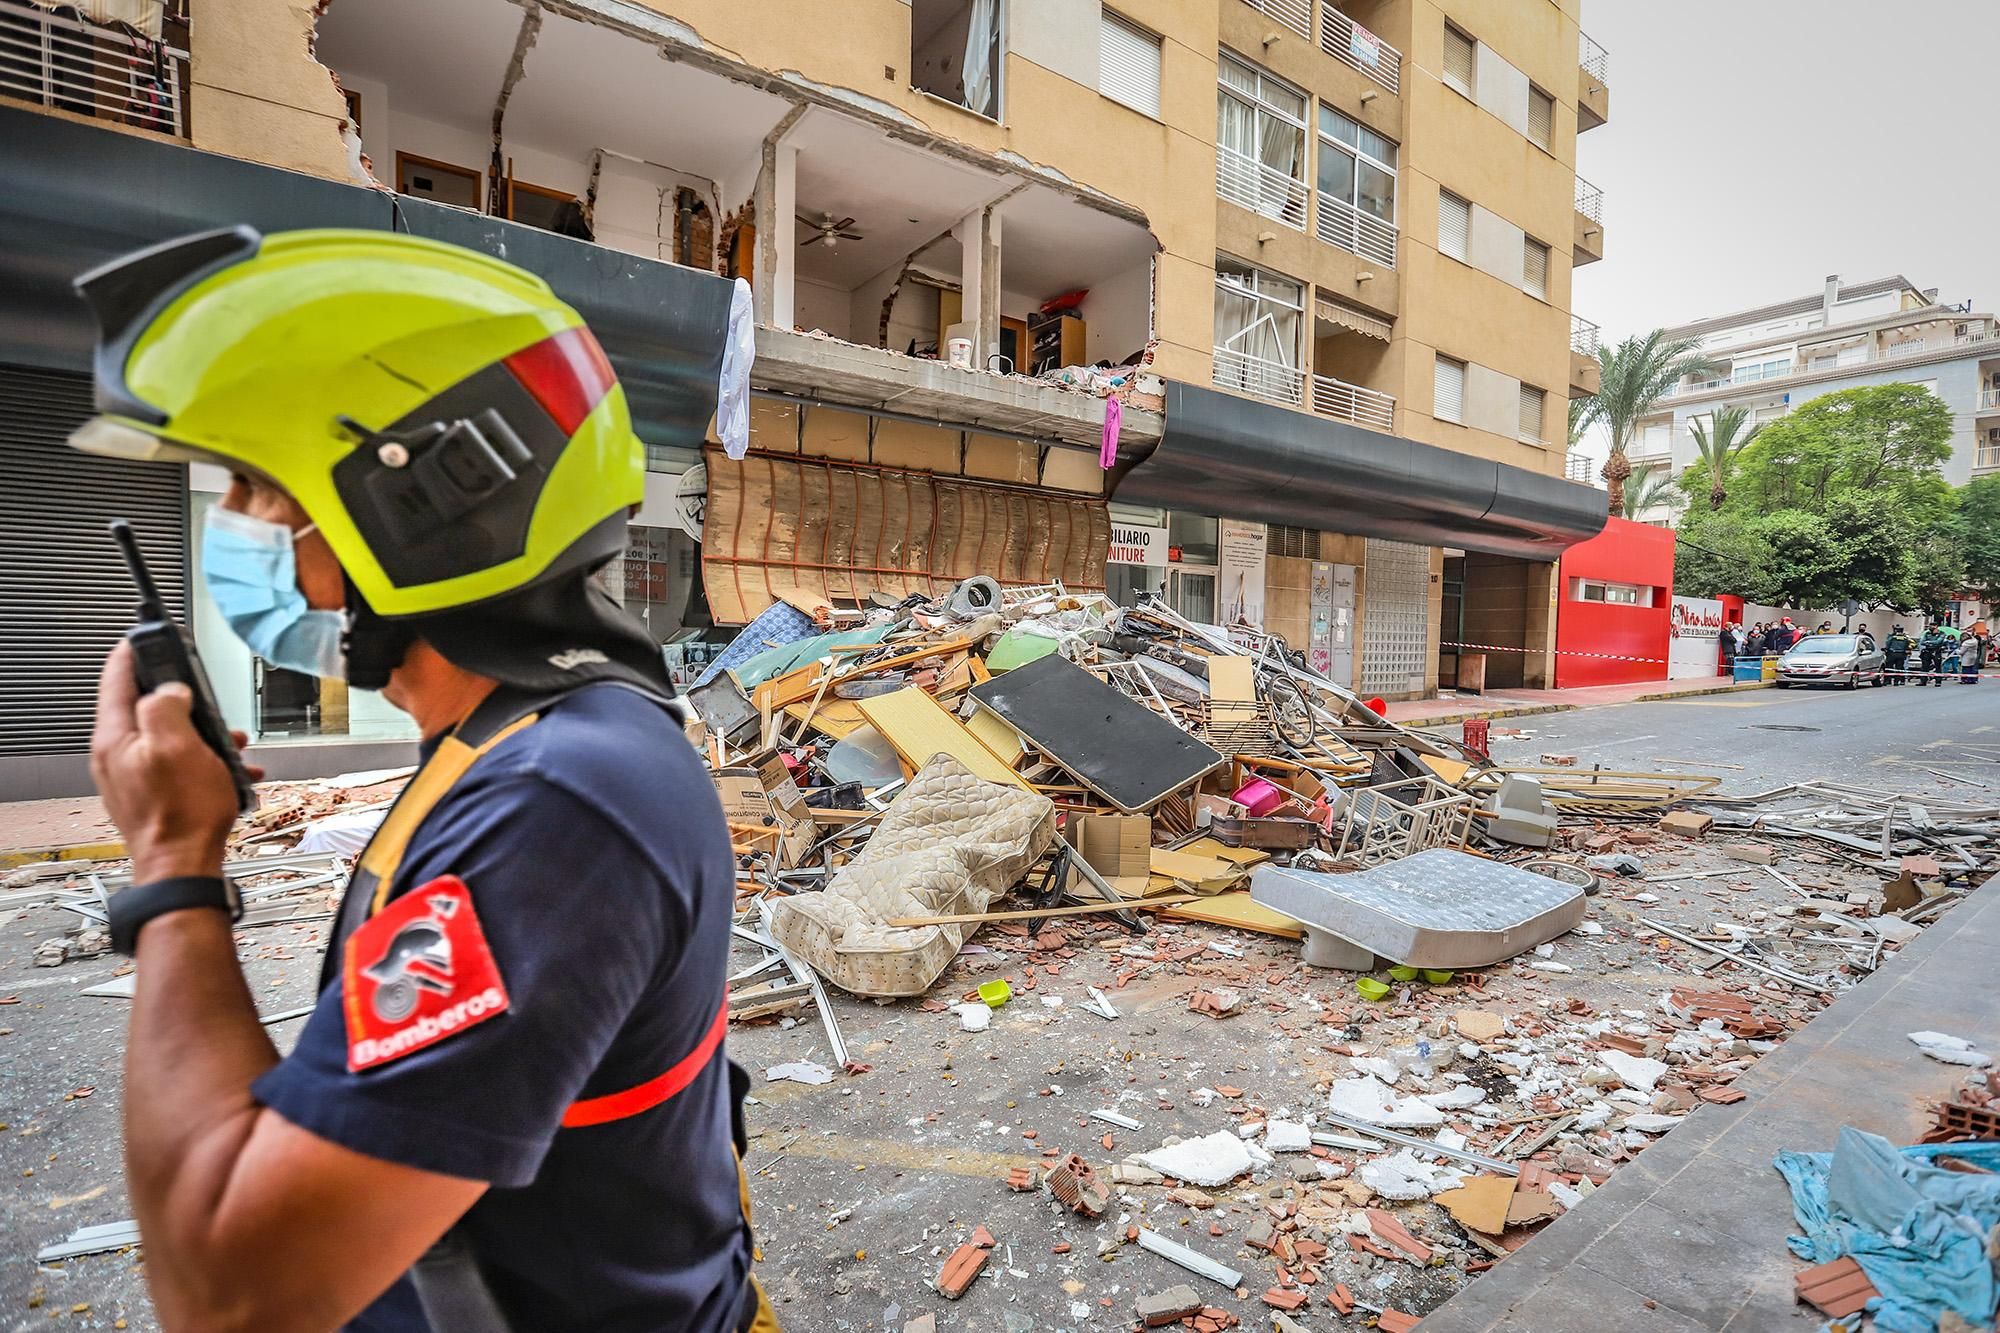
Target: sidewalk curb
(75, 851)
(1735, 687)
(1530, 710)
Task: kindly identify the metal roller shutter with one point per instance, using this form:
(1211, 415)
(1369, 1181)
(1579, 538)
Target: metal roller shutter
(64, 594)
(1128, 65)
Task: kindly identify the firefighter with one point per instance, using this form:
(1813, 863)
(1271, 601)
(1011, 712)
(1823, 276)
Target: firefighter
(510, 1108)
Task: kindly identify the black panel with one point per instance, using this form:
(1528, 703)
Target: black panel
(78, 195)
(1123, 751)
(1240, 458)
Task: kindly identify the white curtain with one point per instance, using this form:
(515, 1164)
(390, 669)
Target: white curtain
(143, 15)
(981, 37)
(1236, 126)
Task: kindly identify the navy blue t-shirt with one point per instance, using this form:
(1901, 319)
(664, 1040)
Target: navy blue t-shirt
(599, 869)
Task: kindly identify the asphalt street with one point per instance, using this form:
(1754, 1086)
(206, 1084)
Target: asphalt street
(60, 1051)
(1893, 736)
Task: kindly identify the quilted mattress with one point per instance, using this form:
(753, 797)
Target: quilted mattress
(950, 843)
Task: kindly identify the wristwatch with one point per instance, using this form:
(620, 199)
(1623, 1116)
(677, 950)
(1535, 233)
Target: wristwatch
(134, 907)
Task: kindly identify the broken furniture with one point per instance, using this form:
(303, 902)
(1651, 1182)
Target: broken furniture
(1398, 819)
(1437, 909)
(1518, 814)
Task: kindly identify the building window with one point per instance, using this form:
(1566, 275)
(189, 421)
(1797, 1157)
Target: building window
(1454, 225)
(1458, 60)
(1531, 413)
(1128, 65)
(955, 52)
(1257, 321)
(1260, 138)
(1364, 172)
(1448, 390)
(425, 178)
(1749, 372)
(1534, 267)
(1541, 117)
(1615, 594)
(1295, 543)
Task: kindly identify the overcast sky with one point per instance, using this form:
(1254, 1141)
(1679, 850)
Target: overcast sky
(1756, 146)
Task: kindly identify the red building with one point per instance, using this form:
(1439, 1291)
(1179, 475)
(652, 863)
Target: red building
(1613, 605)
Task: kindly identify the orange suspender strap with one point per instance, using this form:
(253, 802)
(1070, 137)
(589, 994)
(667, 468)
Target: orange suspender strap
(654, 1091)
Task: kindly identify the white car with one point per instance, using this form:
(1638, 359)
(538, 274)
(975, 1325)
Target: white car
(1832, 659)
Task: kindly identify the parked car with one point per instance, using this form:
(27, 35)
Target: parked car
(1832, 659)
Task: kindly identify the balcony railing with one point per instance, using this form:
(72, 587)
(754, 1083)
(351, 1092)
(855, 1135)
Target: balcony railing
(1246, 181)
(1584, 336)
(1340, 223)
(1989, 400)
(1589, 201)
(1579, 467)
(1255, 375)
(1988, 456)
(1987, 344)
(92, 71)
(1294, 14)
(1351, 402)
(1350, 43)
(1594, 58)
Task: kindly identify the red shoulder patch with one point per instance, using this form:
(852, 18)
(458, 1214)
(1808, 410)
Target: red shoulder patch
(415, 973)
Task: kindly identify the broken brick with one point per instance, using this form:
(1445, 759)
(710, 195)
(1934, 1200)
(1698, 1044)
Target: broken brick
(1836, 1289)
(1021, 1179)
(1723, 1096)
(1750, 852)
(983, 1238)
(1169, 1306)
(1060, 1247)
(1077, 1187)
(1340, 1298)
(1393, 1231)
(1395, 1321)
(960, 1269)
(1280, 1299)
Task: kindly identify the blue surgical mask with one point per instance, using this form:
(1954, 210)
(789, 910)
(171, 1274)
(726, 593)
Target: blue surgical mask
(251, 572)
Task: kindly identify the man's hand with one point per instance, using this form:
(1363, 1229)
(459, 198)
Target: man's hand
(167, 792)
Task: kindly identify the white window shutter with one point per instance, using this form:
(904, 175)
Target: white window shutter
(1128, 65)
(1541, 116)
(1534, 267)
(1454, 225)
(1458, 60)
(1448, 390)
(1531, 412)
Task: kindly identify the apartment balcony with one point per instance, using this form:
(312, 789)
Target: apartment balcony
(1248, 183)
(1259, 378)
(1294, 14)
(1341, 224)
(103, 73)
(1580, 468)
(1989, 402)
(1593, 92)
(1351, 44)
(1986, 345)
(1350, 402)
(1584, 370)
(1587, 246)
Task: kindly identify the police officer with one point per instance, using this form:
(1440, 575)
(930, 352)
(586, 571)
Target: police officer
(510, 1108)
(1896, 652)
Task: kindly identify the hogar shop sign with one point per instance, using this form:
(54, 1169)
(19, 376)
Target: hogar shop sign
(1131, 545)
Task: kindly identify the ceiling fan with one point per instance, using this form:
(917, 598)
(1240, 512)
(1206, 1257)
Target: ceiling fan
(828, 231)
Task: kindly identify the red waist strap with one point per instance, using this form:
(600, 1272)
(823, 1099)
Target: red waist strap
(647, 1095)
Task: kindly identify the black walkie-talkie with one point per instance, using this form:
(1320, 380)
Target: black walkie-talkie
(163, 651)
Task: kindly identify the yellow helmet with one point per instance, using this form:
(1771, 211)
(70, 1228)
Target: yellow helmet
(449, 424)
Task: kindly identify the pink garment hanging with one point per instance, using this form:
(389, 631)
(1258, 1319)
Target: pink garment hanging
(1107, 452)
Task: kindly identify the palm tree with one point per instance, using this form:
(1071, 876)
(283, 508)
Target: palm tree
(1582, 411)
(1718, 443)
(1636, 373)
(1649, 485)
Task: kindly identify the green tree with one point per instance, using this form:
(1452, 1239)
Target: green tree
(1582, 411)
(1978, 532)
(1718, 443)
(1716, 554)
(1803, 558)
(1636, 374)
(1887, 441)
(1648, 485)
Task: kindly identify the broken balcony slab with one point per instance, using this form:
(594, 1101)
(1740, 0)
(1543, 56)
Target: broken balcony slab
(1437, 909)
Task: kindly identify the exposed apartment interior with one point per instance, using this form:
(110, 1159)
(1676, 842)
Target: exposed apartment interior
(887, 239)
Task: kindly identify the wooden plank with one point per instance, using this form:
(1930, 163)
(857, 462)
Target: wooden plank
(919, 727)
(1231, 680)
(836, 717)
(995, 734)
(1238, 910)
(1031, 913)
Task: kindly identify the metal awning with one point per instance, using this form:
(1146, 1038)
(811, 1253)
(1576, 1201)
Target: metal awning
(1352, 317)
(78, 195)
(1240, 458)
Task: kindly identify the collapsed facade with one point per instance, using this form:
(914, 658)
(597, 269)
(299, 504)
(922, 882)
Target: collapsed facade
(1317, 254)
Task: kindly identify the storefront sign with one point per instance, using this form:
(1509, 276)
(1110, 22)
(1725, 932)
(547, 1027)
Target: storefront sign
(1694, 629)
(1240, 563)
(1132, 545)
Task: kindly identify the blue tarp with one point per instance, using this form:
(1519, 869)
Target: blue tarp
(1918, 1231)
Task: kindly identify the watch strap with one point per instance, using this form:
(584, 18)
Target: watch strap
(134, 907)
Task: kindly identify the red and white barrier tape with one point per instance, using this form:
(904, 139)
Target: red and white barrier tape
(1560, 652)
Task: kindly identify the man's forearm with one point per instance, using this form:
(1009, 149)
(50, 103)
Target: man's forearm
(193, 1048)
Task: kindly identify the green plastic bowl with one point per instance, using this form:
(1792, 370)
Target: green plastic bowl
(1435, 977)
(1403, 973)
(995, 993)
(1371, 989)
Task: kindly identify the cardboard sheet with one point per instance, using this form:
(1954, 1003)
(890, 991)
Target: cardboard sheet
(1203, 874)
(919, 727)
(1118, 847)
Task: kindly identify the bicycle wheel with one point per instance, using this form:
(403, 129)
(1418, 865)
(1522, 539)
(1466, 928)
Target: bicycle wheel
(1291, 713)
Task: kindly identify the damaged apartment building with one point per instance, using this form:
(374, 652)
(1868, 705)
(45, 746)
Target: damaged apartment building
(1261, 305)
